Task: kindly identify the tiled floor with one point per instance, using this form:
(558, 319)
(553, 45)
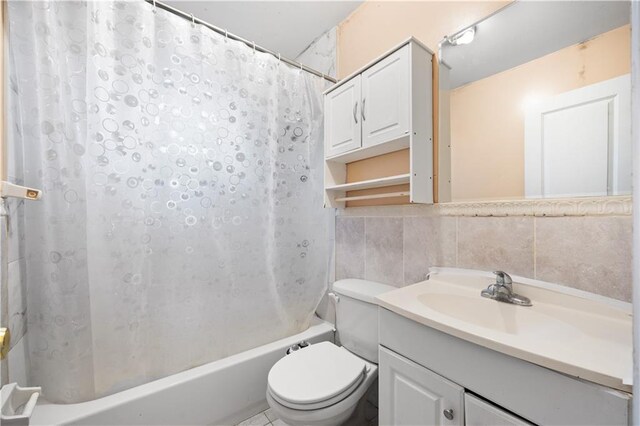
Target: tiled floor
(268, 418)
(265, 418)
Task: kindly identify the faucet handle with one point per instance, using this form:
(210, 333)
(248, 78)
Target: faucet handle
(503, 278)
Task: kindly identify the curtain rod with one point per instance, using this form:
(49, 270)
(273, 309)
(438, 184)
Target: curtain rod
(227, 34)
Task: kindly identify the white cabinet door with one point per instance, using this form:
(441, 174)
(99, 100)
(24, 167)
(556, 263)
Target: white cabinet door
(413, 395)
(481, 413)
(342, 126)
(385, 99)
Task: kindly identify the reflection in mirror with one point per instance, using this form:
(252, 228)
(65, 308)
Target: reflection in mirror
(535, 103)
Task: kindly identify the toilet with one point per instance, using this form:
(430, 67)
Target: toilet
(323, 384)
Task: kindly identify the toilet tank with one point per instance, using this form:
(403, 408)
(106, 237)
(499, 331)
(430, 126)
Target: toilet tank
(357, 315)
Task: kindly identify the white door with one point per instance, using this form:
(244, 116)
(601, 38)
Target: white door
(385, 99)
(481, 413)
(579, 143)
(342, 126)
(413, 395)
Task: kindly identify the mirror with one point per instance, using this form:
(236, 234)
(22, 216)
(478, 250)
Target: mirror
(535, 103)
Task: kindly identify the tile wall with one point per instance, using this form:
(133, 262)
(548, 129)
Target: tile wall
(591, 253)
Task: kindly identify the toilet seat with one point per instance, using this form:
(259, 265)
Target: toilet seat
(316, 377)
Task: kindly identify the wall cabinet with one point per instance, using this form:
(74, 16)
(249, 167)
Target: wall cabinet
(385, 99)
(385, 107)
(343, 128)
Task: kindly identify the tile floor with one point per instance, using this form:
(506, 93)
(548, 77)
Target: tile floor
(266, 418)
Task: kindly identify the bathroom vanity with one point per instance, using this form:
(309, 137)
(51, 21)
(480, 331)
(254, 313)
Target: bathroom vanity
(449, 356)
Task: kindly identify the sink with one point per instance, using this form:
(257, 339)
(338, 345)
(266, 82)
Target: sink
(574, 332)
(482, 312)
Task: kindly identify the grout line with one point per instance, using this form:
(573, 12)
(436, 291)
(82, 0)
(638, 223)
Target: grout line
(457, 232)
(404, 280)
(364, 248)
(535, 247)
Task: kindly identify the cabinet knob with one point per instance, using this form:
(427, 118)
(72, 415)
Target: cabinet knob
(448, 414)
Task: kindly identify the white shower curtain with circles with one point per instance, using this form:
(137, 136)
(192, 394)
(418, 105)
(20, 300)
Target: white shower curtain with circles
(182, 217)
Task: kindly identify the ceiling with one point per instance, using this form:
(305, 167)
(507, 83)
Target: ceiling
(287, 27)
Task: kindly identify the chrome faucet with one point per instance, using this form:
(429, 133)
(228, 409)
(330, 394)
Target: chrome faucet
(502, 291)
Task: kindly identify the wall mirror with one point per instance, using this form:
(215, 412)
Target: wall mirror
(535, 103)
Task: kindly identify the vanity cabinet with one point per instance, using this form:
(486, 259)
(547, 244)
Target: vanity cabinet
(383, 108)
(481, 413)
(410, 394)
(425, 372)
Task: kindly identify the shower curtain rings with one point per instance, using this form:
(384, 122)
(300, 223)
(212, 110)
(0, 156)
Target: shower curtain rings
(193, 21)
(279, 58)
(154, 7)
(254, 47)
(226, 35)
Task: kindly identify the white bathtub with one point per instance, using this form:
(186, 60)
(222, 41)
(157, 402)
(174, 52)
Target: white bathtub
(223, 392)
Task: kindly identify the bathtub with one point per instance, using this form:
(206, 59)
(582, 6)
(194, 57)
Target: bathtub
(223, 392)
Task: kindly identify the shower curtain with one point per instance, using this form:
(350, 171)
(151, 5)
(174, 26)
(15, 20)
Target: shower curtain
(182, 216)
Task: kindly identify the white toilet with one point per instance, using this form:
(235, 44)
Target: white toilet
(322, 384)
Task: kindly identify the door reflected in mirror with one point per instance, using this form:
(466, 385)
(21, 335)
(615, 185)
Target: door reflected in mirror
(535, 103)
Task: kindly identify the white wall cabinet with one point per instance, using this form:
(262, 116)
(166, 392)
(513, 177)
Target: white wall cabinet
(343, 123)
(410, 394)
(385, 99)
(384, 107)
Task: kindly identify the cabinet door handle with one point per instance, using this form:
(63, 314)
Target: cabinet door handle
(448, 414)
(355, 112)
(364, 118)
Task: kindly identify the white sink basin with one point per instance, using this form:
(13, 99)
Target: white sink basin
(483, 312)
(582, 335)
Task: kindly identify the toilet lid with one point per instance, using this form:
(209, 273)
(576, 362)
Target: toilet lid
(322, 372)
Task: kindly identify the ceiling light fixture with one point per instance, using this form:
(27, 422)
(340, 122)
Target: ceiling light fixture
(463, 37)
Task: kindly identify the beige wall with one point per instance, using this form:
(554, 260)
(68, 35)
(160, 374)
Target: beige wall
(382, 244)
(487, 116)
(377, 26)
(480, 136)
